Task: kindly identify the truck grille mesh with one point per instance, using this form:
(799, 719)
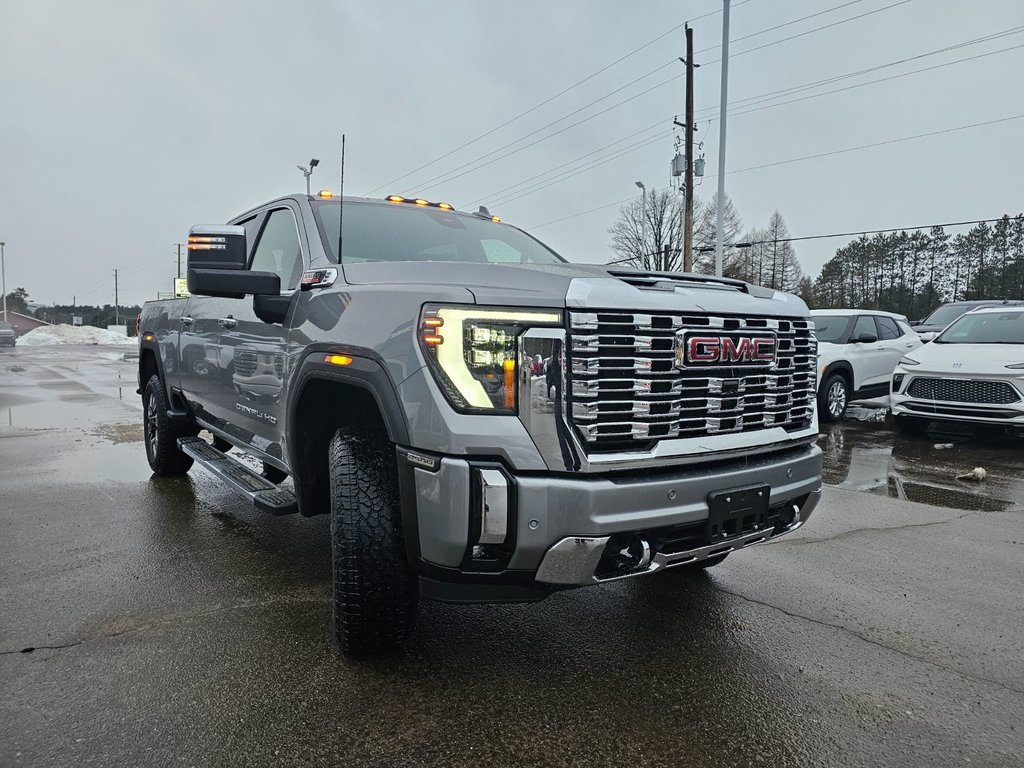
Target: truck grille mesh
(624, 389)
(963, 391)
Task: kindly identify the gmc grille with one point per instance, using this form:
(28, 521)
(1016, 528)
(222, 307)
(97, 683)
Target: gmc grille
(963, 391)
(625, 390)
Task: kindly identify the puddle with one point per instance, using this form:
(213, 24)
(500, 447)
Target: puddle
(872, 457)
(121, 433)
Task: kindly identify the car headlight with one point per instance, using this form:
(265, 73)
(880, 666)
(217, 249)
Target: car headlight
(474, 354)
(908, 361)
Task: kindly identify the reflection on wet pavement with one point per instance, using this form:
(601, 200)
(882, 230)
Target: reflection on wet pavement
(865, 453)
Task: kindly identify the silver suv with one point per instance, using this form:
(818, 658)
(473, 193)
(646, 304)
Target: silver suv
(482, 420)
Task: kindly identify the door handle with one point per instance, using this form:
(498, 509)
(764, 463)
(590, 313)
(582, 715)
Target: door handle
(227, 322)
(186, 320)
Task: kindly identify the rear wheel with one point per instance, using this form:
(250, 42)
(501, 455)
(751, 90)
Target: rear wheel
(375, 590)
(833, 398)
(165, 458)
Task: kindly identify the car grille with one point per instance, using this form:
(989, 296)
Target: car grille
(963, 391)
(625, 390)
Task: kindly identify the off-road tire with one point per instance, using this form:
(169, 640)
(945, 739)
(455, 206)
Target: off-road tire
(375, 589)
(829, 409)
(161, 438)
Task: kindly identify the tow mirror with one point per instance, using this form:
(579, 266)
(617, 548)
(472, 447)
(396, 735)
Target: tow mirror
(216, 265)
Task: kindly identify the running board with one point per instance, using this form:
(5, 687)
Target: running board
(264, 494)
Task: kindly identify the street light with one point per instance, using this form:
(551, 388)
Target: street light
(720, 223)
(307, 172)
(3, 277)
(643, 218)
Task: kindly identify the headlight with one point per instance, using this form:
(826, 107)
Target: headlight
(1016, 366)
(474, 353)
(908, 361)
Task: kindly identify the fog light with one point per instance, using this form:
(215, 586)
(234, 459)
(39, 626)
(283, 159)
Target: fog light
(493, 506)
(897, 381)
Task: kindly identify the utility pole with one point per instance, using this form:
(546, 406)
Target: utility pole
(3, 277)
(117, 315)
(720, 224)
(643, 225)
(179, 260)
(688, 149)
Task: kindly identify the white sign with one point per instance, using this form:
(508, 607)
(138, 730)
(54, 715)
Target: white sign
(76, 319)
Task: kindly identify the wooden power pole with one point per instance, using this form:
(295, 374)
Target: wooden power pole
(688, 150)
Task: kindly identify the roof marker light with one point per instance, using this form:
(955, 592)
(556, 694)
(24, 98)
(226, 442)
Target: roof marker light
(395, 199)
(325, 193)
(421, 201)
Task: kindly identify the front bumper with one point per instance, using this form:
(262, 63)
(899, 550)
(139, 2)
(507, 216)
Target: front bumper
(1005, 414)
(449, 524)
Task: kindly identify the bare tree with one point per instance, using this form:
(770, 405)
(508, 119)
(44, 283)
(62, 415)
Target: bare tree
(705, 218)
(649, 234)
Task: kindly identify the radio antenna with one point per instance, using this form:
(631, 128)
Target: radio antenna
(341, 199)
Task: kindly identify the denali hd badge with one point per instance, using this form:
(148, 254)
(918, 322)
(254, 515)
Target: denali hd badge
(698, 349)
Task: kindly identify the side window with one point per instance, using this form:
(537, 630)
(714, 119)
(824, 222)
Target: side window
(278, 249)
(251, 231)
(887, 328)
(865, 325)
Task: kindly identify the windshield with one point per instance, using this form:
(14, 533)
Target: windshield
(946, 314)
(831, 328)
(402, 232)
(985, 328)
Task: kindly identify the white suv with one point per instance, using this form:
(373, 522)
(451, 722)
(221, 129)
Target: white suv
(857, 352)
(972, 372)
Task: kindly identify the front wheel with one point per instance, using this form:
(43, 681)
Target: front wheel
(165, 458)
(375, 590)
(833, 398)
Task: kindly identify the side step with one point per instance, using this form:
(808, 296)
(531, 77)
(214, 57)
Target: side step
(264, 494)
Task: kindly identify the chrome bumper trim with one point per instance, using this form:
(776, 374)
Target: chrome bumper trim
(574, 559)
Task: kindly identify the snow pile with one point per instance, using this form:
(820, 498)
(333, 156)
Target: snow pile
(74, 334)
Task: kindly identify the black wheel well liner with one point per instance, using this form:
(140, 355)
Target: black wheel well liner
(325, 397)
(844, 369)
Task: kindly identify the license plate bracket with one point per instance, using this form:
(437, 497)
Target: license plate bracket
(737, 511)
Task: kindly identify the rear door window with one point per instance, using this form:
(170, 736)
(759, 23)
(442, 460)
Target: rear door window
(887, 328)
(865, 325)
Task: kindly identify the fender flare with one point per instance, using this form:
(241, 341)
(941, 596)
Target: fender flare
(840, 366)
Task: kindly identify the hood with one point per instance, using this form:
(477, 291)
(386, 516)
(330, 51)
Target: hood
(582, 285)
(967, 358)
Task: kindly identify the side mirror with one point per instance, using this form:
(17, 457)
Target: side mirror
(866, 338)
(216, 265)
(912, 323)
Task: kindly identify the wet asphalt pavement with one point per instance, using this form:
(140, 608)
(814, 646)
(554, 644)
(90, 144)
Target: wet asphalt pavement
(153, 622)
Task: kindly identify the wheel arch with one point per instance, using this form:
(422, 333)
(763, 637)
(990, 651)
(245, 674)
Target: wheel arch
(325, 397)
(843, 368)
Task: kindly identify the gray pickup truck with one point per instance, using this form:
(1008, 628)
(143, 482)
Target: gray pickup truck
(482, 420)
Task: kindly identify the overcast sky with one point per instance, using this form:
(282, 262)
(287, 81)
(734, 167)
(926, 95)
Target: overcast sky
(122, 124)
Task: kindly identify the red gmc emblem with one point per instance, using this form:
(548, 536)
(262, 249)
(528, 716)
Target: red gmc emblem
(693, 349)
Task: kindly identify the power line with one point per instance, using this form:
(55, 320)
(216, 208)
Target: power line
(743, 111)
(800, 159)
(548, 100)
(452, 174)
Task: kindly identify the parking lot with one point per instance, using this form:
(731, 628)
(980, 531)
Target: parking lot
(167, 622)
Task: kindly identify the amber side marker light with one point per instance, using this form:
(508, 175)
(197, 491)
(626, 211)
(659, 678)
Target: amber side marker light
(338, 359)
(509, 367)
(148, 337)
